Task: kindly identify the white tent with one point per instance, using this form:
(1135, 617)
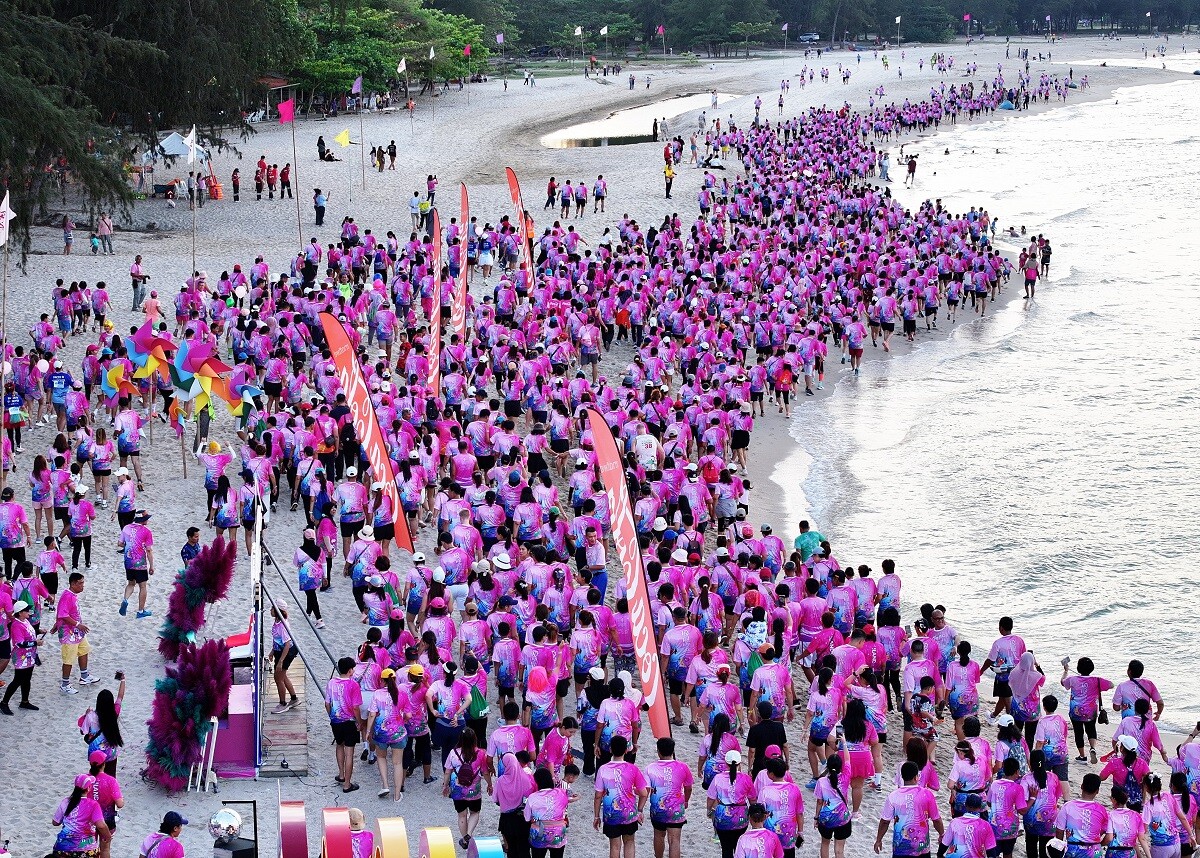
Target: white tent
(173, 146)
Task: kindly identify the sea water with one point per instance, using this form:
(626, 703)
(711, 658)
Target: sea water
(1043, 463)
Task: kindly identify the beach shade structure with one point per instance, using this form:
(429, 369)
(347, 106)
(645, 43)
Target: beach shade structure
(336, 841)
(293, 830)
(175, 145)
(436, 843)
(392, 841)
(1006, 105)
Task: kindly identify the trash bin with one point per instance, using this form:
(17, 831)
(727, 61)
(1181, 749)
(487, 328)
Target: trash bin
(214, 190)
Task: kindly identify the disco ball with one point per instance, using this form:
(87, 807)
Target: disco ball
(225, 824)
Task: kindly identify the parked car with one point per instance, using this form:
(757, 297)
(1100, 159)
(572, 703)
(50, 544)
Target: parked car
(809, 38)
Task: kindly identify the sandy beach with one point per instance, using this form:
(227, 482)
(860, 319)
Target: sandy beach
(472, 143)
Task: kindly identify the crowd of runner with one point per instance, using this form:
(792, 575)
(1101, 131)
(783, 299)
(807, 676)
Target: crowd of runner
(507, 647)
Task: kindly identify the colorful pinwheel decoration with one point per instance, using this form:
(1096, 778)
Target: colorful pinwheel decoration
(148, 351)
(197, 374)
(114, 384)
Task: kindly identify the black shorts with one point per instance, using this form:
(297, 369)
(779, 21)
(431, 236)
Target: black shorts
(560, 445)
(910, 326)
(612, 832)
(888, 326)
(664, 826)
(385, 531)
(288, 659)
(512, 408)
(473, 806)
(134, 453)
(5, 649)
(345, 733)
(61, 513)
(563, 687)
(1001, 689)
(756, 396)
(931, 311)
(137, 576)
(351, 528)
(102, 473)
(273, 388)
(581, 678)
(675, 686)
(842, 832)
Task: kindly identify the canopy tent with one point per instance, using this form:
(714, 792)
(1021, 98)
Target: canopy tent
(173, 146)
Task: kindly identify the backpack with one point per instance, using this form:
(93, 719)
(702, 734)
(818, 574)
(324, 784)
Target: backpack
(466, 771)
(478, 707)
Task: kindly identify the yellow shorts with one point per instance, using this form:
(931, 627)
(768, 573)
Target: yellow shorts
(72, 651)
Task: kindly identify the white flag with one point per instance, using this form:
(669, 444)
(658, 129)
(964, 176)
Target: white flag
(579, 31)
(897, 19)
(402, 67)
(604, 30)
(190, 142)
(1147, 14)
(431, 52)
(6, 216)
(785, 28)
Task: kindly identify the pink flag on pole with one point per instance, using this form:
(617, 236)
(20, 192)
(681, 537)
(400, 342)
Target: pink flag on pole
(660, 31)
(966, 17)
(357, 88)
(287, 111)
(466, 50)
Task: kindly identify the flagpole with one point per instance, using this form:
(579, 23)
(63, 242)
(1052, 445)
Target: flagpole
(897, 33)
(362, 137)
(296, 183)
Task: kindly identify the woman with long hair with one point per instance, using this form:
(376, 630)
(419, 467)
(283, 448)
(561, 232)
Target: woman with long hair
(41, 496)
(385, 726)
(969, 775)
(714, 747)
(1166, 823)
(546, 814)
(101, 726)
(226, 509)
(418, 751)
(729, 797)
(859, 746)
(833, 817)
(466, 769)
(1045, 792)
(83, 830)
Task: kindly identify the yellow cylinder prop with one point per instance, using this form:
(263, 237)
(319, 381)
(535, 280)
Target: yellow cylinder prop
(437, 843)
(393, 838)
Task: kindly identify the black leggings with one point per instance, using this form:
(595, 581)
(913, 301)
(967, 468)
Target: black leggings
(14, 436)
(515, 831)
(542, 852)
(1035, 845)
(84, 544)
(1080, 727)
(21, 678)
(729, 840)
(11, 556)
(313, 607)
(589, 751)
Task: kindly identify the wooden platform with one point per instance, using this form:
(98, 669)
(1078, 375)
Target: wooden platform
(285, 736)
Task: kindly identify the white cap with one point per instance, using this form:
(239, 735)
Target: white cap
(596, 672)
(679, 555)
(81, 490)
(439, 575)
(375, 487)
(19, 606)
(419, 557)
(351, 471)
(122, 472)
(367, 532)
(1129, 743)
(581, 461)
(1005, 720)
(660, 524)
(733, 756)
(502, 562)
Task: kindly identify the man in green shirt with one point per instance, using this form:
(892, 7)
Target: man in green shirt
(808, 541)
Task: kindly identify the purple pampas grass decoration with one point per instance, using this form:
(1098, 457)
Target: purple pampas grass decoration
(205, 581)
(195, 690)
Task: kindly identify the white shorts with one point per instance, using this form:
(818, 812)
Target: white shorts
(458, 592)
